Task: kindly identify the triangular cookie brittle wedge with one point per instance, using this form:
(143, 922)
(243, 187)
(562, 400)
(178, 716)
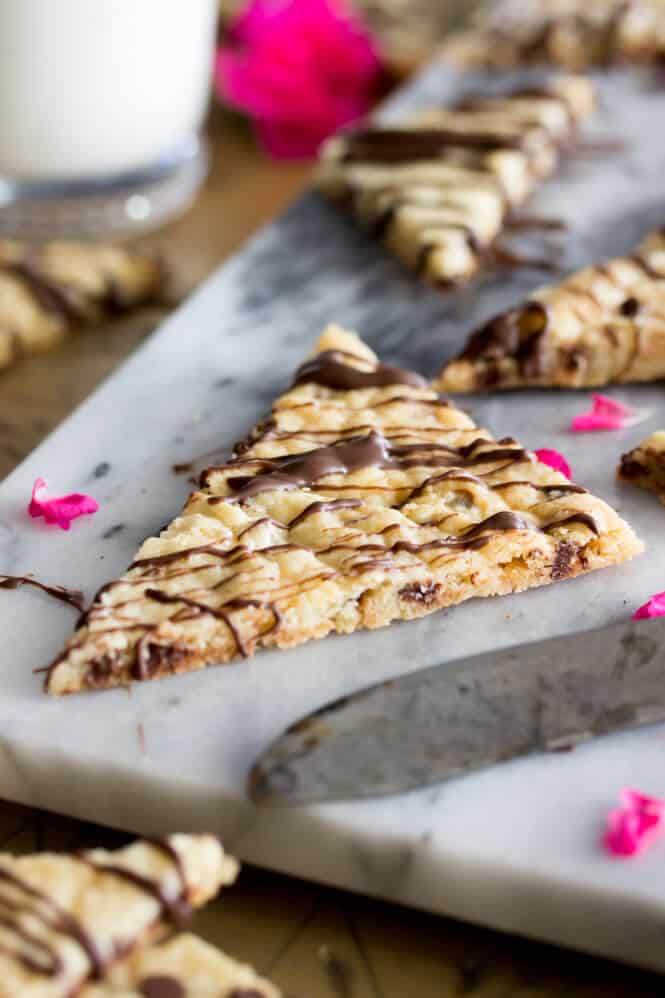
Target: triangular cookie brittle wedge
(364, 498)
(66, 919)
(644, 465)
(604, 324)
(440, 185)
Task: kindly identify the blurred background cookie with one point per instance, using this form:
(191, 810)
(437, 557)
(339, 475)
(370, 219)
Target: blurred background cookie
(47, 291)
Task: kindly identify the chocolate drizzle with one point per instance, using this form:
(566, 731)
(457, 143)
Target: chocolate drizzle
(516, 333)
(651, 272)
(513, 333)
(353, 454)
(315, 508)
(298, 470)
(330, 370)
(43, 910)
(53, 297)
(176, 910)
(152, 658)
(22, 903)
(403, 145)
(74, 597)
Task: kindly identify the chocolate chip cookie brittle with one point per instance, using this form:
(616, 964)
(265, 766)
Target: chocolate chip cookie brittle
(67, 919)
(439, 186)
(362, 499)
(604, 324)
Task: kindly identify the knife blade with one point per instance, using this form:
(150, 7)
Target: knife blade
(450, 719)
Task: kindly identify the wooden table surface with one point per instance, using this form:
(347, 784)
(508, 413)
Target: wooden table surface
(314, 942)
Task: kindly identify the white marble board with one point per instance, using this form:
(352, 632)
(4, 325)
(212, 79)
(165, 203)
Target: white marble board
(516, 846)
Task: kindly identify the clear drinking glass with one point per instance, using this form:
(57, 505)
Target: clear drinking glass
(101, 107)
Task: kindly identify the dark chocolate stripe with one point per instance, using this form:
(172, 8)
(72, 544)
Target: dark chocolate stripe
(74, 597)
(402, 145)
(329, 370)
(144, 664)
(323, 507)
(46, 911)
(53, 297)
(177, 910)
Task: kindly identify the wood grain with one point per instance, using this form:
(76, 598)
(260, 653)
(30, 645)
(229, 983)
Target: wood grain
(313, 941)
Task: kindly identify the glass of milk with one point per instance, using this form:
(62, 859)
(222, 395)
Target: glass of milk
(101, 108)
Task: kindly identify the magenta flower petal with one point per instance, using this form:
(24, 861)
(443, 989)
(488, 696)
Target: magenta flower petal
(60, 510)
(655, 607)
(606, 414)
(635, 825)
(554, 459)
(301, 69)
(637, 801)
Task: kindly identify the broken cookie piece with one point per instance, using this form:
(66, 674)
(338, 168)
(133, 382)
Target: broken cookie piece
(645, 465)
(604, 324)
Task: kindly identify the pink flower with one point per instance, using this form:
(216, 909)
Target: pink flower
(555, 460)
(301, 69)
(635, 825)
(655, 607)
(59, 509)
(606, 414)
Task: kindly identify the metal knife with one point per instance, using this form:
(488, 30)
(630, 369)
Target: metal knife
(453, 718)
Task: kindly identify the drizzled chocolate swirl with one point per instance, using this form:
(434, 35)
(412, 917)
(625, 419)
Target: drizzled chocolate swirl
(74, 597)
(36, 923)
(403, 145)
(516, 333)
(331, 370)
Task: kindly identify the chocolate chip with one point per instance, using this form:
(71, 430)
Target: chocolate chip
(419, 592)
(563, 559)
(631, 468)
(630, 307)
(153, 659)
(103, 667)
(574, 358)
(161, 986)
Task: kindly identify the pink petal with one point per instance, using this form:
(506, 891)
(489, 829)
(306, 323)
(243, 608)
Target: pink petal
(634, 826)
(655, 607)
(554, 459)
(59, 509)
(301, 68)
(606, 414)
(645, 803)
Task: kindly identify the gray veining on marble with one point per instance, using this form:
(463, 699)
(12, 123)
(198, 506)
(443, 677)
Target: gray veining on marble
(515, 847)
